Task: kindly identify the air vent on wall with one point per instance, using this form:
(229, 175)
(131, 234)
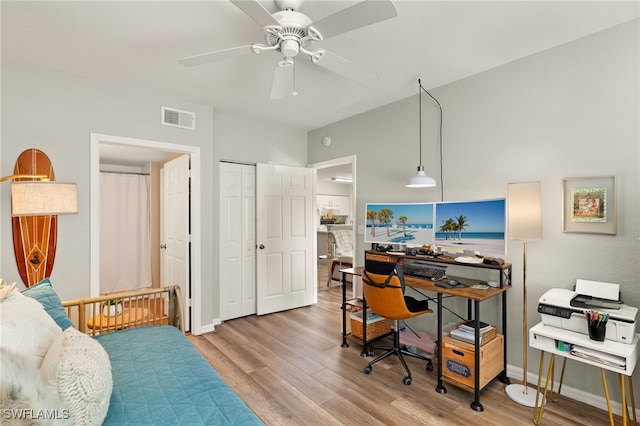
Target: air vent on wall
(177, 118)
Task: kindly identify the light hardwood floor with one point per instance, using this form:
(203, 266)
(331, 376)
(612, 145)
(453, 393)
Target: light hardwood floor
(290, 369)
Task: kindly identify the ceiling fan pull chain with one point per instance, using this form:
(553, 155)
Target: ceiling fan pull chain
(294, 93)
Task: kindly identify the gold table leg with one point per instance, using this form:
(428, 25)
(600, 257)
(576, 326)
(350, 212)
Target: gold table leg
(555, 396)
(537, 411)
(633, 400)
(606, 395)
(623, 397)
(548, 386)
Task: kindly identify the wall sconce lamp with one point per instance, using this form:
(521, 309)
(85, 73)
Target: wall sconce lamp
(41, 197)
(421, 180)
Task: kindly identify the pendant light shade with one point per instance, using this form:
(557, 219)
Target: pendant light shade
(420, 180)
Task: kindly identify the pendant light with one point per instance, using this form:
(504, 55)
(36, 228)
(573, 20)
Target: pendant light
(420, 180)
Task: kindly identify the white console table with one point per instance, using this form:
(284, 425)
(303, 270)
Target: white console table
(546, 339)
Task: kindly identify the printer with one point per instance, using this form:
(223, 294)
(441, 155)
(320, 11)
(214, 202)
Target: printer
(566, 309)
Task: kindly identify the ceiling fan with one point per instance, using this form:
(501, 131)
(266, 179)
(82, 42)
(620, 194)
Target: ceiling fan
(292, 33)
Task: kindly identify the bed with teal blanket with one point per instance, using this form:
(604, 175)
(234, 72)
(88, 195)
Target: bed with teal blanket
(160, 378)
(82, 364)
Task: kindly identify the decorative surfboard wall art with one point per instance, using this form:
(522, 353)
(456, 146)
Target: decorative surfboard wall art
(34, 237)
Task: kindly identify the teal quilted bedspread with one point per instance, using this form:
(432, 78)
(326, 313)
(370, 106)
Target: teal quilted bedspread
(160, 378)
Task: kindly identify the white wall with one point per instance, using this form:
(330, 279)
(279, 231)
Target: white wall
(57, 113)
(248, 141)
(567, 112)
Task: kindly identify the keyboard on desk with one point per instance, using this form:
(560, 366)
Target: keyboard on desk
(425, 270)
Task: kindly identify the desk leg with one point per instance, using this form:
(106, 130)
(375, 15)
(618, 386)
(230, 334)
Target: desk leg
(503, 376)
(606, 395)
(476, 405)
(344, 309)
(365, 351)
(440, 387)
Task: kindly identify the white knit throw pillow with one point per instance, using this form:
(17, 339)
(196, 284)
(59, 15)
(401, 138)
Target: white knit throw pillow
(83, 374)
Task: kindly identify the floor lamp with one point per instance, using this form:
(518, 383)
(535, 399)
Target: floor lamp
(524, 223)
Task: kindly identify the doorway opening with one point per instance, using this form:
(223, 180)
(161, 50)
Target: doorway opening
(128, 151)
(335, 211)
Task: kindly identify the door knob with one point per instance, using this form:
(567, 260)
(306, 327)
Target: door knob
(261, 246)
(163, 246)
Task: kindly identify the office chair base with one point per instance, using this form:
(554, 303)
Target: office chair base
(399, 352)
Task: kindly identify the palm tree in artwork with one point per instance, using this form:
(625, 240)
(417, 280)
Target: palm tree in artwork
(447, 227)
(461, 224)
(403, 221)
(371, 217)
(384, 217)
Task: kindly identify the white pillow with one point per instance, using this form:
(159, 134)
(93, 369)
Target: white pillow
(26, 329)
(22, 389)
(78, 367)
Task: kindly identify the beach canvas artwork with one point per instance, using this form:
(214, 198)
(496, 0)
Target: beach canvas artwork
(472, 225)
(399, 223)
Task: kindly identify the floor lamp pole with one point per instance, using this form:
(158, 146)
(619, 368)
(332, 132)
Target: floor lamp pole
(524, 315)
(522, 394)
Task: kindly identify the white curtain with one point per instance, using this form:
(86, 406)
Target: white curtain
(125, 249)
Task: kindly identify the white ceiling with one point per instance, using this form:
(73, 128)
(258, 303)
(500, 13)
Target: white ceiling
(136, 45)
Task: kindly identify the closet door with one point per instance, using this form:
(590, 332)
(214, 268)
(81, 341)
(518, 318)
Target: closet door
(237, 240)
(286, 235)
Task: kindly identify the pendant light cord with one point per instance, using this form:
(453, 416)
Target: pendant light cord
(420, 120)
(440, 134)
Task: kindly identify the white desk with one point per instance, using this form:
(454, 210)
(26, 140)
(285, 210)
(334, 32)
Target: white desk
(546, 338)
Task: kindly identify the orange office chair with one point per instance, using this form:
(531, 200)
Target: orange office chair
(384, 294)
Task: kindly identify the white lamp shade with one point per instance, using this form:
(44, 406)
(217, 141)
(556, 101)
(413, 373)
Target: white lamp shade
(421, 180)
(524, 204)
(43, 198)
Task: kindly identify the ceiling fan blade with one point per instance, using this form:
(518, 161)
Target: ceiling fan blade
(256, 11)
(218, 55)
(344, 67)
(357, 16)
(282, 84)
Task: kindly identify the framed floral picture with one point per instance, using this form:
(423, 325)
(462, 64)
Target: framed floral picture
(589, 205)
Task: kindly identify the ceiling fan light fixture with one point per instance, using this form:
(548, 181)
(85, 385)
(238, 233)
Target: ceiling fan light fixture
(293, 33)
(289, 48)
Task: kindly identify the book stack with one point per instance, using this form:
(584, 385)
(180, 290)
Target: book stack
(466, 332)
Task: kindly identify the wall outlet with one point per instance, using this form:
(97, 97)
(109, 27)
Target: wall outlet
(360, 229)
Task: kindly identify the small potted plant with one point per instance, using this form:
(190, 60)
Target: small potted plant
(112, 307)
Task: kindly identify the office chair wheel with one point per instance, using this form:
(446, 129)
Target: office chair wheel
(367, 369)
(407, 380)
(429, 365)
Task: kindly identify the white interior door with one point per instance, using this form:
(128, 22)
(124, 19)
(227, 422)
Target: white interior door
(285, 237)
(237, 240)
(174, 216)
